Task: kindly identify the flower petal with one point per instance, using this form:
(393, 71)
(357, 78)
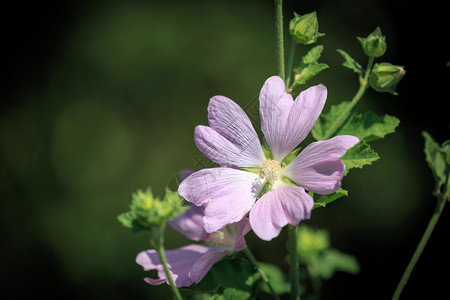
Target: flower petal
(286, 123)
(180, 262)
(205, 262)
(318, 168)
(229, 194)
(190, 223)
(284, 205)
(230, 138)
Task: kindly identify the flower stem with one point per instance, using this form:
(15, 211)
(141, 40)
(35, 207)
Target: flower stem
(293, 256)
(363, 85)
(290, 63)
(437, 213)
(254, 262)
(279, 37)
(158, 240)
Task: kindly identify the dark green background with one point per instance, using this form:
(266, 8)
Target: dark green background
(100, 98)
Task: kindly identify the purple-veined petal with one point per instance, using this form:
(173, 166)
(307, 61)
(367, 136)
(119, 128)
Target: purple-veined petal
(228, 193)
(205, 262)
(190, 223)
(230, 138)
(286, 123)
(318, 168)
(180, 263)
(286, 204)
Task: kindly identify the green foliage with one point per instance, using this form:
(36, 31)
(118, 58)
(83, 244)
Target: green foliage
(351, 63)
(343, 119)
(309, 67)
(279, 280)
(230, 279)
(438, 159)
(359, 156)
(147, 211)
(324, 200)
(322, 261)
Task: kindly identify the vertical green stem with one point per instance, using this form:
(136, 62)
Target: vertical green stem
(437, 213)
(158, 240)
(279, 37)
(363, 85)
(293, 256)
(290, 63)
(254, 262)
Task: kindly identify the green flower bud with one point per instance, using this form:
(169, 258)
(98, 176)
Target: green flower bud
(374, 45)
(305, 29)
(385, 77)
(147, 211)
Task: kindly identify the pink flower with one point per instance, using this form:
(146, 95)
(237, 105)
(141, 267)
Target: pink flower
(230, 140)
(189, 264)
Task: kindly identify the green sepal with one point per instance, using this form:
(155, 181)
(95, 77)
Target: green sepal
(437, 159)
(254, 170)
(290, 157)
(304, 29)
(129, 220)
(374, 45)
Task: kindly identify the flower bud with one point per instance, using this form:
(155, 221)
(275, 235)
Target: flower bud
(305, 29)
(385, 77)
(151, 211)
(374, 45)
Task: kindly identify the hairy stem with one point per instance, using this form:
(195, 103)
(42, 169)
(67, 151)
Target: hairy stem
(254, 262)
(158, 240)
(437, 213)
(293, 256)
(290, 63)
(279, 37)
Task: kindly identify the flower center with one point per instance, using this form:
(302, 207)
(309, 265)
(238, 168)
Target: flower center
(270, 170)
(219, 239)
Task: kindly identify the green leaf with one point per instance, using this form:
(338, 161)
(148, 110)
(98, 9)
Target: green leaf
(369, 126)
(279, 281)
(358, 156)
(323, 200)
(332, 260)
(343, 119)
(351, 63)
(309, 67)
(237, 273)
(436, 158)
(329, 124)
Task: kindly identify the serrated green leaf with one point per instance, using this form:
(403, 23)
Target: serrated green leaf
(369, 126)
(351, 63)
(309, 67)
(324, 200)
(279, 281)
(358, 156)
(329, 124)
(343, 119)
(436, 159)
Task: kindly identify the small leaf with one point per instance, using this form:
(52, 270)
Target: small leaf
(309, 67)
(358, 156)
(436, 159)
(351, 63)
(333, 260)
(130, 220)
(329, 124)
(324, 200)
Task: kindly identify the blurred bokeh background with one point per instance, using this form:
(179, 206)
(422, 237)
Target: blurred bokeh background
(100, 98)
